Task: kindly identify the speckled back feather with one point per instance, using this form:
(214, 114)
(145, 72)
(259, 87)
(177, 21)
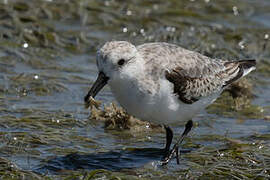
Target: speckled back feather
(192, 74)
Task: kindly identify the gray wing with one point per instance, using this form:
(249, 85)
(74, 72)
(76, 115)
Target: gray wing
(192, 74)
(190, 88)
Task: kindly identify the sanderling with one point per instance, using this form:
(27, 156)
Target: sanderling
(164, 83)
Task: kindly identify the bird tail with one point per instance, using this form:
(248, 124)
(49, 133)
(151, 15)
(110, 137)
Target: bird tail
(247, 66)
(240, 68)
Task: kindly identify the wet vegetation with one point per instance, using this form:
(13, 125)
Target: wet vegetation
(47, 64)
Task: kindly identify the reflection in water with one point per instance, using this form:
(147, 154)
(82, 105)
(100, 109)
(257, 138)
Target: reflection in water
(112, 160)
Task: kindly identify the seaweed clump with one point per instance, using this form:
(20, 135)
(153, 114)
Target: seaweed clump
(241, 92)
(236, 100)
(117, 118)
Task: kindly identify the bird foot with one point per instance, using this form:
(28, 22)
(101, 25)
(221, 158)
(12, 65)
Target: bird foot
(175, 150)
(169, 155)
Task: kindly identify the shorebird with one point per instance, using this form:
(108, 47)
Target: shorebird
(164, 83)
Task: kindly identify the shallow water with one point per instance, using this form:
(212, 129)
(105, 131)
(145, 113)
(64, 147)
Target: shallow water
(47, 65)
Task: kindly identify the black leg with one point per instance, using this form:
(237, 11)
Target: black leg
(174, 150)
(177, 154)
(169, 137)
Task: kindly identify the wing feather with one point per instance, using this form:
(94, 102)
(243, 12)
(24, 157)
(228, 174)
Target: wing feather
(192, 74)
(201, 81)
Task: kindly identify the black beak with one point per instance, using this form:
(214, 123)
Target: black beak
(101, 81)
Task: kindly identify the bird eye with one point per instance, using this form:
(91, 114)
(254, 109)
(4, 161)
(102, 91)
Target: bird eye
(121, 62)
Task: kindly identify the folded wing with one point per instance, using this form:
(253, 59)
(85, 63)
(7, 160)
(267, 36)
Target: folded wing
(207, 77)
